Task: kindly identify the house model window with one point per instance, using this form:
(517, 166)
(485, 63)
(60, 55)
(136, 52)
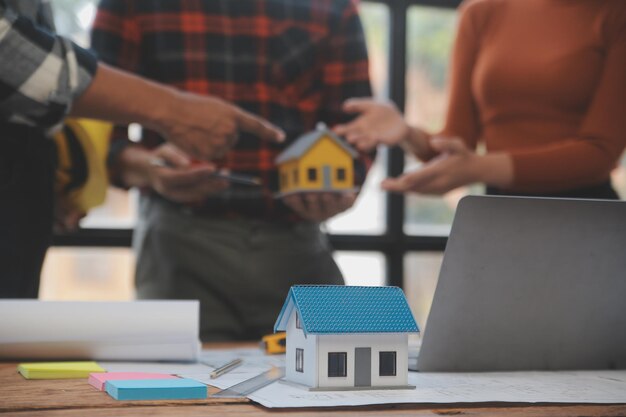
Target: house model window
(387, 364)
(283, 179)
(299, 360)
(317, 161)
(337, 364)
(355, 337)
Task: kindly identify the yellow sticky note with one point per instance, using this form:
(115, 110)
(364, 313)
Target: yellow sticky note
(58, 370)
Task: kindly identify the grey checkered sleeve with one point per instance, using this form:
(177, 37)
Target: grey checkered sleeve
(40, 73)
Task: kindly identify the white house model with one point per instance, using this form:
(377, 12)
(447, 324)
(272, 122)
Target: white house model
(347, 337)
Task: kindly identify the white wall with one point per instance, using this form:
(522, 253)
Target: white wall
(397, 342)
(296, 339)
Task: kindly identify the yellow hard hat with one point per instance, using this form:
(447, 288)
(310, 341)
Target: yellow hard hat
(81, 176)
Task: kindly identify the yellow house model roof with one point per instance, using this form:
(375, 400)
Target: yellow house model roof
(301, 145)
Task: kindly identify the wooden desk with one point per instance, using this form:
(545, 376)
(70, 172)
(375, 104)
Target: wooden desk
(69, 398)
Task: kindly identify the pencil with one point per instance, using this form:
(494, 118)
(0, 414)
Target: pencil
(226, 368)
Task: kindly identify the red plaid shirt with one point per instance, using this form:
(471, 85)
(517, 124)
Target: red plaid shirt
(291, 61)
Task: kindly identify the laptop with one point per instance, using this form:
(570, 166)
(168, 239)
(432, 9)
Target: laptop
(530, 284)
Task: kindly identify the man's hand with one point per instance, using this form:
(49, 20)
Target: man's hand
(318, 207)
(66, 216)
(378, 123)
(207, 127)
(204, 127)
(172, 175)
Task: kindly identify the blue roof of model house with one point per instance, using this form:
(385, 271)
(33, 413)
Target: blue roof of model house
(336, 309)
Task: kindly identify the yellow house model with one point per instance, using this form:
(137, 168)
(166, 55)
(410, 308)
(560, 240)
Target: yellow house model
(316, 161)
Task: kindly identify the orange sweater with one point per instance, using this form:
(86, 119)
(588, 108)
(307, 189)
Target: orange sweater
(545, 81)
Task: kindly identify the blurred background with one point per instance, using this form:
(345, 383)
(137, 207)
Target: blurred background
(383, 239)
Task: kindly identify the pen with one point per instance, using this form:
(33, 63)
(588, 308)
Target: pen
(237, 178)
(225, 368)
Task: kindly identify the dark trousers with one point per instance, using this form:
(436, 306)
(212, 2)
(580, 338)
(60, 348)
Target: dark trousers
(240, 269)
(26, 208)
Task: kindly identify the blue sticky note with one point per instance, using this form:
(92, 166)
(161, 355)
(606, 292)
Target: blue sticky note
(156, 389)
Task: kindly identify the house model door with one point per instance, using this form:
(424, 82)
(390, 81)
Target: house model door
(362, 367)
(326, 173)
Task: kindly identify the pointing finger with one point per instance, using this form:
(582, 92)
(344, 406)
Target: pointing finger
(259, 127)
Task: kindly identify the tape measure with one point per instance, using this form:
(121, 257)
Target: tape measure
(247, 387)
(275, 343)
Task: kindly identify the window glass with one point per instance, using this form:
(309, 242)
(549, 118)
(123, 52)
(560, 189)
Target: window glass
(299, 360)
(361, 268)
(119, 211)
(88, 274)
(367, 216)
(387, 364)
(337, 364)
(421, 272)
(73, 18)
(430, 35)
(298, 324)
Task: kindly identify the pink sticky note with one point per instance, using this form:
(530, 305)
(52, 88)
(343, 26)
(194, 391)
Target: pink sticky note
(98, 379)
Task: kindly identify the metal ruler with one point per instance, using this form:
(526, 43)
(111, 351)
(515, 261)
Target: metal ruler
(247, 387)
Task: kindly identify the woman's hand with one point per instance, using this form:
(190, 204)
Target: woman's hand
(378, 123)
(454, 166)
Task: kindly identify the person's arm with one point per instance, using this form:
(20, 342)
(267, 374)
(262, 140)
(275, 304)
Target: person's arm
(41, 74)
(449, 155)
(454, 166)
(381, 122)
(204, 127)
(582, 160)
